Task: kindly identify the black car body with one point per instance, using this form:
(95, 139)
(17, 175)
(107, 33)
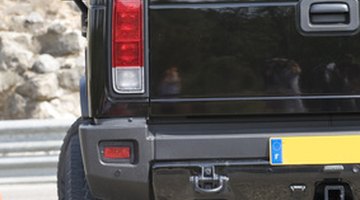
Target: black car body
(221, 79)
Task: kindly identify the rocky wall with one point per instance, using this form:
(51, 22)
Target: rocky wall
(41, 59)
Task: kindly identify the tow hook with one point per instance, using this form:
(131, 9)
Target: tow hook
(209, 181)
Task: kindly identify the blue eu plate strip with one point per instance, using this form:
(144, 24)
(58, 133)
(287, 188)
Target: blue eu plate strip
(276, 151)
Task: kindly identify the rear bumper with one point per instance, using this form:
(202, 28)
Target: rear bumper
(112, 180)
(253, 180)
(171, 153)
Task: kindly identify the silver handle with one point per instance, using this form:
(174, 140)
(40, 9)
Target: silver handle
(329, 13)
(222, 182)
(329, 17)
(329, 8)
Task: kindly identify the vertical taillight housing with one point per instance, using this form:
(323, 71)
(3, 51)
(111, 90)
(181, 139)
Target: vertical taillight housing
(128, 47)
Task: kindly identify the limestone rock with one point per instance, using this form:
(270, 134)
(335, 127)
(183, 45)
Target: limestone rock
(72, 62)
(68, 103)
(45, 63)
(16, 23)
(70, 79)
(41, 48)
(15, 107)
(43, 110)
(58, 43)
(57, 28)
(34, 22)
(41, 88)
(14, 52)
(34, 18)
(3, 26)
(9, 79)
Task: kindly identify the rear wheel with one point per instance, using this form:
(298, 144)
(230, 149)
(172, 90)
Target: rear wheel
(72, 184)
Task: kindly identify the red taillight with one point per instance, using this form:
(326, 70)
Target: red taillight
(117, 153)
(127, 46)
(127, 54)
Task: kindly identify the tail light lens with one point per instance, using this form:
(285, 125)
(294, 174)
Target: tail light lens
(128, 47)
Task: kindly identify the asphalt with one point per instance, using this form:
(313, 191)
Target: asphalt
(28, 191)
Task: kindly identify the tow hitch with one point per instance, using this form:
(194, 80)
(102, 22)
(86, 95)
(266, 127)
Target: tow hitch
(333, 190)
(209, 181)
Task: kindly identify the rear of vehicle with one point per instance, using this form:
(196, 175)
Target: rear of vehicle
(223, 100)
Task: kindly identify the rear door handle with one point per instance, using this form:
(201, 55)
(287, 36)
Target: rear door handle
(329, 8)
(329, 13)
(329, 17)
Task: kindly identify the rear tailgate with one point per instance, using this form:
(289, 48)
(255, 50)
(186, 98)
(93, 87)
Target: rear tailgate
(226, 58)
(251, 57)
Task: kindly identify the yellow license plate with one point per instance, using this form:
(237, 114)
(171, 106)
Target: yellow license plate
(313, 150)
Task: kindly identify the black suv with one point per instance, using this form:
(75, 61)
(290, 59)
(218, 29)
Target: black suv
(217, 100)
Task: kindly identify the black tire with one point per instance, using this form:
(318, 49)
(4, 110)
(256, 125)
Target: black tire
(71, 181)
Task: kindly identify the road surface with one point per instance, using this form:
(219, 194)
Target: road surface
(29, 191)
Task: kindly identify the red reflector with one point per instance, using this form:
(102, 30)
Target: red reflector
(127, 33)
(117, 152)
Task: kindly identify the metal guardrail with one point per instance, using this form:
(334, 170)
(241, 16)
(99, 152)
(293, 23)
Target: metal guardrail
(30, 148)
